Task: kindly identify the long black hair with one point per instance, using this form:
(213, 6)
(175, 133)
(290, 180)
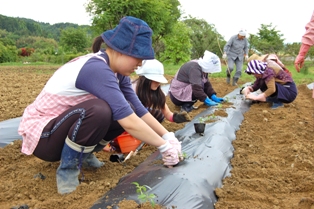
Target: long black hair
(154, 99)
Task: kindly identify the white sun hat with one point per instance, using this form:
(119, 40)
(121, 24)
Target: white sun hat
(152, 70)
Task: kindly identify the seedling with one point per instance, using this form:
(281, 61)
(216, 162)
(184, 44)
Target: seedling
(142, 194)
(226, 99)
(206, 118)
(202, 119)
(219, 106)
(184, 155)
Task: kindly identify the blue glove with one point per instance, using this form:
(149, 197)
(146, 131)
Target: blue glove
(217, 99)
(209, 102)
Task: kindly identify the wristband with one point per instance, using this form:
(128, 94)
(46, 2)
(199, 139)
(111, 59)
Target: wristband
(169, 135)
(164, 147)
(171, 118)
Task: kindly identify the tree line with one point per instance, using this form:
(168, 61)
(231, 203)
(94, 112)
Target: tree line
(176, 38)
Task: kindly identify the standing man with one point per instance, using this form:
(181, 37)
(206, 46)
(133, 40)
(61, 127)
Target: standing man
(236, 49)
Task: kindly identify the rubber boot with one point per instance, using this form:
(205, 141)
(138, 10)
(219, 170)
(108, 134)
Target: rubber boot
(235, 81)
(228, 78)
(69, 169)
(276, 103)
(91, 160)
(188, 107)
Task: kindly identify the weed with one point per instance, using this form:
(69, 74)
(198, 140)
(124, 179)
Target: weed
(142, 194)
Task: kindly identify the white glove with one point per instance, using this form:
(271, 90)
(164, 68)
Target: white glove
(246, 90)
(224, 56)
(260, 97)
(246, 57)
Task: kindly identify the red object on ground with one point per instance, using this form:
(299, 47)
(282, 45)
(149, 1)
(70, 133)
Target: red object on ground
(127, 143)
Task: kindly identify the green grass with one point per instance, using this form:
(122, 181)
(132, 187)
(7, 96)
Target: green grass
(304, 77)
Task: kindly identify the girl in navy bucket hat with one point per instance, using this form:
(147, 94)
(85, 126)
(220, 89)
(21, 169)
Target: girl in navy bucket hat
(89, 101)
(276, 85)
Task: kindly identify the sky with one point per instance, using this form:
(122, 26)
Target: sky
(228, 16)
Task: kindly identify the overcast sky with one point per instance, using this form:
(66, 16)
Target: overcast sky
(228, 16)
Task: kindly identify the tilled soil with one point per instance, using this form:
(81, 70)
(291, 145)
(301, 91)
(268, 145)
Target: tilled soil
(272, 165)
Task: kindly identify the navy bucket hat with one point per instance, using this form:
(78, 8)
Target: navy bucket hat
(132, 37)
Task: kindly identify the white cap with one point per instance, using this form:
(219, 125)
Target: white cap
(210, 63)
(152, 70)
(242, 32)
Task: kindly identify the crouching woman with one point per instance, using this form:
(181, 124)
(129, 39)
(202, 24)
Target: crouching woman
(276, 85)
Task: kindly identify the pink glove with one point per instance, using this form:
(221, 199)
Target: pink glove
(299, 61)
(169, 154)
(172, 139)
(174, 142)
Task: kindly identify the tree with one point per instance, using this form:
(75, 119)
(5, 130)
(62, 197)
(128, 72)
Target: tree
(74, 40)
(160, 15)
(203, 37)
(7, 53)
(292, 49)
(268, 40)
(177, 45)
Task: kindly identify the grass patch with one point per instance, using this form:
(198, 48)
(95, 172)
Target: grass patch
(306, 76)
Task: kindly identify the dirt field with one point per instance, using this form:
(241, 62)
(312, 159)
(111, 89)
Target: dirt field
(272, 164)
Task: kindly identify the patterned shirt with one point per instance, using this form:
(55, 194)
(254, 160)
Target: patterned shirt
(273, 74)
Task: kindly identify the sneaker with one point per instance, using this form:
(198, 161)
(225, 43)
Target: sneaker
(276, 105)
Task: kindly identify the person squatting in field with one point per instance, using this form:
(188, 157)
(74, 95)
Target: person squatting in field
(89, 101)
(148, 90)
(272, 57)
(191, 83)
(276, 85)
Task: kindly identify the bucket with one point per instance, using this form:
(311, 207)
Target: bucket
(127, 143)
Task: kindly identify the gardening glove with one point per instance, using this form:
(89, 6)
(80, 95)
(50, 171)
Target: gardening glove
(217, 99)
(260, 97)
(209, 102)
(246, 57)
(169, 154)
(174, 142)
(299, 61)
(224, 56)
(180, 117)
(246, 90)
